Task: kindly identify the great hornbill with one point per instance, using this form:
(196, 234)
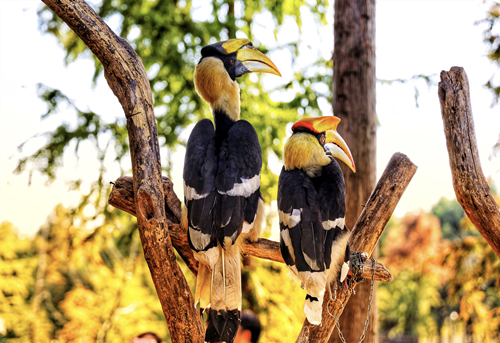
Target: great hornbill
(222, 182)
(311, 204)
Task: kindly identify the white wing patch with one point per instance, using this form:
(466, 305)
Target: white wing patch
(248, 226)
(198, 239)
(190, 193)
(246, 188)
(330, 224)
(290, 220)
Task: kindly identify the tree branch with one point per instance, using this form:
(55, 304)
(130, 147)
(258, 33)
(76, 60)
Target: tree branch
(121, 197)
(364, 236)
(127, 77)
(471, 188)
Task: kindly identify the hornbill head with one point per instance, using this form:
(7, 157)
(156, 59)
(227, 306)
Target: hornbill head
(221, 63)
(312, 141)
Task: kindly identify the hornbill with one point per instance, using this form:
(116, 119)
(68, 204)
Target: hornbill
(222, 183)
(311, 207)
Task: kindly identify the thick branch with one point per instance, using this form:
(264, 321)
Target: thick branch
(122, 195)
(127, 77)
(471, 188)
(364, 236)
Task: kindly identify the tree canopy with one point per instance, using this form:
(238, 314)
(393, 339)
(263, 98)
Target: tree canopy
(168, 36)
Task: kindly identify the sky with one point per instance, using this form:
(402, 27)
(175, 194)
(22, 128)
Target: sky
(412, 37)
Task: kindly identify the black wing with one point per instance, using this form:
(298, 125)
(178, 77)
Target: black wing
(200, 168)
(302, 234)
(238, 180)
(320, 202)
(331, 193)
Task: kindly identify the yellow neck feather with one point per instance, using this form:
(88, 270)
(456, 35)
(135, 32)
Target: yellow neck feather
(303, 151)
(214, 85)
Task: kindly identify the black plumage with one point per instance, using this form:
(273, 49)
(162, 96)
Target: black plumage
(319, 199)
(217, 165)
(222, 183)
(311, 206)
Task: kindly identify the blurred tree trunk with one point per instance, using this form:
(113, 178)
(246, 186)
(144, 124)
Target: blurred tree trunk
(354, 84)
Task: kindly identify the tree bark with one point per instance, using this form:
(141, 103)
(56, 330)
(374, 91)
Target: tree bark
(364, 237)
(122, 196)
(354, 84)
(127, 77)
(471, 188)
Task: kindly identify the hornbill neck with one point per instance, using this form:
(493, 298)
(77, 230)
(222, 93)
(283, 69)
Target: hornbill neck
(216, 87)
(223, 122)
(303, 151)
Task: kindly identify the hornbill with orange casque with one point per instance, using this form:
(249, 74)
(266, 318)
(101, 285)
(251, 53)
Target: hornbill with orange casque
(311, 206)
(222, 196)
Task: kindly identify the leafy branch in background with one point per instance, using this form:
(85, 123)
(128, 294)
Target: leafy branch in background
(428, 79)
(492, 39)
(168, 35)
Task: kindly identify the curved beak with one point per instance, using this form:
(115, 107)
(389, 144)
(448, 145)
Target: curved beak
(336, 146)
(252, 60)
(248, 58)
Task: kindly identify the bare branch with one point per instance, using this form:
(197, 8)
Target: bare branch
(127, 77)
(471, 188)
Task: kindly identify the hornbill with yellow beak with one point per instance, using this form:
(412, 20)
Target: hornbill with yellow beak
(222, 182)
(311, 204)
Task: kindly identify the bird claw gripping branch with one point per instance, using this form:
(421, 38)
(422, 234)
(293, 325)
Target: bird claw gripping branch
(357, 263)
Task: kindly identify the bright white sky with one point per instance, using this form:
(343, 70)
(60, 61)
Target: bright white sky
(413, 37)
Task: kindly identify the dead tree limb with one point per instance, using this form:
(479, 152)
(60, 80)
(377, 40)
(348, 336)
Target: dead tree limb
(471, 188)
(121, 197)
(364, 236)
(127, 77)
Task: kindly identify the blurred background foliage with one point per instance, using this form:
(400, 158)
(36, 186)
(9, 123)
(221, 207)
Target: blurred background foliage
(83, 276)
(74, 282)
(492, 39)
(446, 285)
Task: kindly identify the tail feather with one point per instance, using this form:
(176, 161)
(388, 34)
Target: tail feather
(224, 314)
(313, 308)
(203, 281)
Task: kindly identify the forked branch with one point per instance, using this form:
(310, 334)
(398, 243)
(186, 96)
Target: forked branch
(121, 197)
(127, 78)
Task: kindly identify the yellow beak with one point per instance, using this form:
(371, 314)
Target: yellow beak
(252, 59)
(256, 61)
(336, 146)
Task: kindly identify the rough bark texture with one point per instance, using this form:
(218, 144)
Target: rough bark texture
(127, 77)
(471, 188)
(122, 196)
(354, 102)
(364, 237)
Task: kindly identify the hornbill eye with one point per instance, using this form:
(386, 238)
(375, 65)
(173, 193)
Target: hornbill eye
(322, 139)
